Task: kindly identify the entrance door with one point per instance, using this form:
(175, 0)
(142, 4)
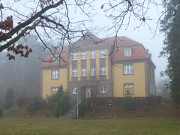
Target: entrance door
(88, 93)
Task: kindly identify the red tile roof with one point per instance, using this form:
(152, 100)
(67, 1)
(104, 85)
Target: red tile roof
(122, 41)
(62, 51)
(119, 43)
(138, 51)
(48, 61)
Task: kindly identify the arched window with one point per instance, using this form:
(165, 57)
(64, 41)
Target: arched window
(103, 89)
(74, 91)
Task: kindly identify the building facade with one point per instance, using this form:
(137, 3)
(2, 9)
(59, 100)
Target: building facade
(90, 67)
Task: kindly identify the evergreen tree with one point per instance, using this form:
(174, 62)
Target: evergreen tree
(171, 27)
(9, 99)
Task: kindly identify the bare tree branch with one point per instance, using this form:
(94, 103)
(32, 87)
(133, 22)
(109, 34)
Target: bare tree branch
(24, 24)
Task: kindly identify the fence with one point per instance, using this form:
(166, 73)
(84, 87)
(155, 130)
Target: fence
(116, 101)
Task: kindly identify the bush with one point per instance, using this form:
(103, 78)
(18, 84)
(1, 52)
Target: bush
(22, 101)
(82, 108)
(52, 100)
(9, 99)
(61, 103)
(36, 104)
(128, 103)
(57, 101)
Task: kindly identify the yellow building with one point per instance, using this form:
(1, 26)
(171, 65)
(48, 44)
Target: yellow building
(111, 67)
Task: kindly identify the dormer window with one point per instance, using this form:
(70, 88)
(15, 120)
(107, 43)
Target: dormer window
(83, 55)
(55, 58)
(127, 51)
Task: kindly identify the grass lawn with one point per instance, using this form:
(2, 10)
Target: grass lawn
(119, 126)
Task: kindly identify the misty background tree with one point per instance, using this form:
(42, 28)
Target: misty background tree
(162, 88)
(170, 26)
(9, 99)
(23, 75)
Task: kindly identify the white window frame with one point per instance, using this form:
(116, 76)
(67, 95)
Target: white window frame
(128, 69)
(54, 89)
(83, 71)
(102, 70)
(103, 89)
(88, 93)
(127, 51)
(128, 89)
(75, 91)
(74, 56)
(74, 73)
(102, 53)
(55, 58)
(55, 74)
(93, 55)
(93, 71)
(83, 55)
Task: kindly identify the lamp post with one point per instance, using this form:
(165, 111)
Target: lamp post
(77, 111)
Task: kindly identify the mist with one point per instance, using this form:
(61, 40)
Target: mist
(22, 74)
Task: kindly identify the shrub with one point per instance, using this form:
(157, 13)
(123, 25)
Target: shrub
(57, 101)
(128, 103)
(52, 100)
(61, 103)
(82, 108)
(22, 101)
(36, 104)
(8, 99)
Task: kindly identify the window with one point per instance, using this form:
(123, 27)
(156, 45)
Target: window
(74, 73)
(88, 93)
(129, 89)
(102, 70)
(83, 55)
(102, 53)
(103, 89)
(93, 54)
(74, 91)
(74, 56)
(83, 71)
(54, 74)
(128, 69)
(93, 71)
(54, 89)
(127, 51)
(55, 58)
